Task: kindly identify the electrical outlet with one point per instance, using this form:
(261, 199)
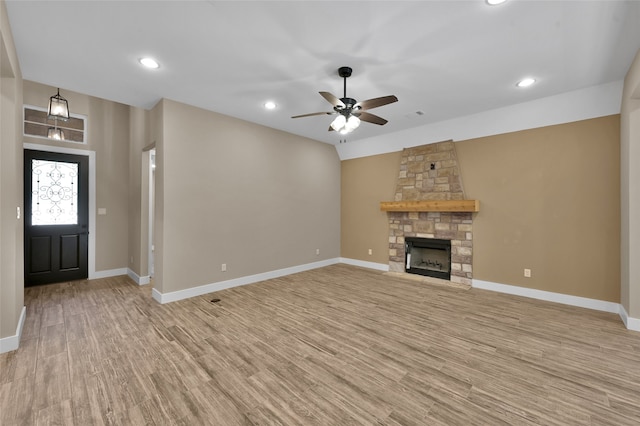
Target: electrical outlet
(223, 267)
(370, 252)
(317, 251)
(131, 259)
(527, 273)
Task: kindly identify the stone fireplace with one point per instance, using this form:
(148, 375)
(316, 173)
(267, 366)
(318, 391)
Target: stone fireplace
(430, 204)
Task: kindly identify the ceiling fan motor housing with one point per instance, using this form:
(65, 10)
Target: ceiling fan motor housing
(349, 106)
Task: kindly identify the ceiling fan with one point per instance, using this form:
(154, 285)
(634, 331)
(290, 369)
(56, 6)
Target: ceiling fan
(350, 112)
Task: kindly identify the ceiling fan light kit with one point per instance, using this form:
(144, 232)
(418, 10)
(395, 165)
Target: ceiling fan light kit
(343, 125)
(351, 112)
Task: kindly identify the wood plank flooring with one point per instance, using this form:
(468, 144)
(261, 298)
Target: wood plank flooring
(339, 345)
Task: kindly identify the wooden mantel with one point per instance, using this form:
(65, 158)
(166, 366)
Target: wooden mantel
(431, 206)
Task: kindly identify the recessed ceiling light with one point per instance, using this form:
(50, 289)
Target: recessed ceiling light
(495, 2)
(270, 105)
(149, 63)
(526, 82)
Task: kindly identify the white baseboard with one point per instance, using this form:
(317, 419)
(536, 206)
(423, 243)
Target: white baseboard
(11, 343)
(565, 299)
(137, 278)
(582, 302)
(222, 285)
(629, 322)
(120, 271)
(364, 264)
(108, 273)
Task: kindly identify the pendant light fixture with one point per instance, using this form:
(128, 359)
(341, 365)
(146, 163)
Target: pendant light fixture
(58, 107)
(58, 110)
(55, 133)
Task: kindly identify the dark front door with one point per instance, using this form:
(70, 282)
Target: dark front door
(56, 219)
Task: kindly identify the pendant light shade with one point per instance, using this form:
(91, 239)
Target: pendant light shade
(58, 107)
(55, 133)
(338, 123)
(352, 123)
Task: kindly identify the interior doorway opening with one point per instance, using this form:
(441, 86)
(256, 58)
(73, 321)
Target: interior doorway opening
(152, 185)
(145, 256)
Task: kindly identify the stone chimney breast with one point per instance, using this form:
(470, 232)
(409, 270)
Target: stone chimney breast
(429, 172)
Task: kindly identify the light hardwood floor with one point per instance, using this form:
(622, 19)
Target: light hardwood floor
(334, 346)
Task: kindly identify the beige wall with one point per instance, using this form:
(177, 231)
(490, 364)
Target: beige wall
(365, 182)
(11, 238)
(557, 182)
(234, 192)
(630, 190)
(108, 136)
(549, 202)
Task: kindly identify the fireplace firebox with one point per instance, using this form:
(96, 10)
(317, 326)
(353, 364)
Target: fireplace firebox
(428, 256)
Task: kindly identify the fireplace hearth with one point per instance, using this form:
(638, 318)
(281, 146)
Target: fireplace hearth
(428, 256)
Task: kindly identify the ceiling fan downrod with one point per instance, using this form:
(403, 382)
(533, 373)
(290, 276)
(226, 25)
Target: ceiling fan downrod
(349, 103)
(345, 72)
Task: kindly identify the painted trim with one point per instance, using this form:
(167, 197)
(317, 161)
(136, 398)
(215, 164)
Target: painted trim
(629, 322)
(364, 264)
(11, 343)
(250, 279)
(577, 105)
(108, 273)
(92, 193)
(565, 299)
(137, 278)
(156, 295)
(598, 305)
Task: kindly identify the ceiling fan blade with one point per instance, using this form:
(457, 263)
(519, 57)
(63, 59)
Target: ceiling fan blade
(332, 99)
(312, 114)
(376, 102)
(371, 118)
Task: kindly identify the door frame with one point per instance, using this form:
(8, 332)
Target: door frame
(92, 194)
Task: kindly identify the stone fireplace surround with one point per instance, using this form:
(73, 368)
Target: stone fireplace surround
(430, 173)
(456, 227)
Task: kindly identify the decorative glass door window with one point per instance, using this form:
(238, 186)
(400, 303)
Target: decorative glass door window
(54, 193)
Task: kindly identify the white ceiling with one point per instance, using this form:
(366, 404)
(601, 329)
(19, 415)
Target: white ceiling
(445, 58)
